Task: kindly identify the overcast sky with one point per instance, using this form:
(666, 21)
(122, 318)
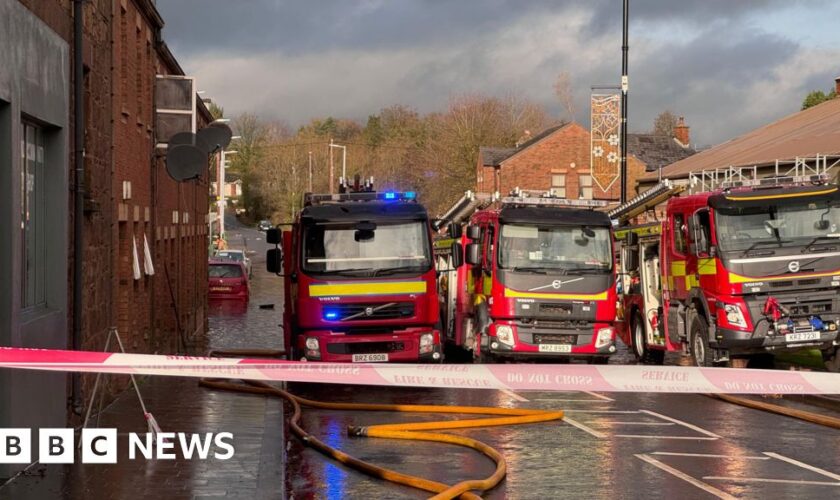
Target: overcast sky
(728, 66)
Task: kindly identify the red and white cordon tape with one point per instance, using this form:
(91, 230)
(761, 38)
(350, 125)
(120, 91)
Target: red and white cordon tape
(540, 377)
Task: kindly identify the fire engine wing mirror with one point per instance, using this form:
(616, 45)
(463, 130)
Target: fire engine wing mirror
(473, 254)
(455, 230)
(632, 239)
(273, 236)
(457, 255)
(274, 260)
(631, 258)
(473, 233)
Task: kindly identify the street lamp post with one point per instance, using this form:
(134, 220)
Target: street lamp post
(343, 162)
(310, 171)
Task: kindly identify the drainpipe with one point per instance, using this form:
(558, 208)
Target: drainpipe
(78, 213)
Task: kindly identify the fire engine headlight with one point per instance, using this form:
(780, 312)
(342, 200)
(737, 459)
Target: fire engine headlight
(505, 334)
(427, 343)
(604, 337)
(734, 316)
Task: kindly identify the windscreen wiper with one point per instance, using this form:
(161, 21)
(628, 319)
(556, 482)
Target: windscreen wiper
(821, 237)
(535, 270)
(764, 242)
(391, 270)
(349, 272)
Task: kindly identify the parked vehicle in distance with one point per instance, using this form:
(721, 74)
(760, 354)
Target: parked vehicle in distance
(264, 225)
(228, 280)
(236, 256)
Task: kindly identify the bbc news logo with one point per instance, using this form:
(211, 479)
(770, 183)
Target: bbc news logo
(99, 446)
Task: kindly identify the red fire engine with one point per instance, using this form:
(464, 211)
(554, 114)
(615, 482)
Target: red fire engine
(538, 281)
(359, 278)
(740, 270)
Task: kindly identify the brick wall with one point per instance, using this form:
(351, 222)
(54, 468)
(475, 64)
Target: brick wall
(565, 152)
(122, 56)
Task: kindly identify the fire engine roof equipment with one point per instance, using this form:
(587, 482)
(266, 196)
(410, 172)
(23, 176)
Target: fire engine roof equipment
(464, 207)
(553, 216)
(372, 210)
(734, 200)
(645, 201)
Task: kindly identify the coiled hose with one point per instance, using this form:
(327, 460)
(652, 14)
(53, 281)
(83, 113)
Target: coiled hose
(409, 431)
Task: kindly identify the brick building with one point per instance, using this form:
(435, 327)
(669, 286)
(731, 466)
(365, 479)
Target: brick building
(558, 159)
(128, 198)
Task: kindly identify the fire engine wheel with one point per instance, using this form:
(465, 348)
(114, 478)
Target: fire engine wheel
(640, 349)
(700, 350)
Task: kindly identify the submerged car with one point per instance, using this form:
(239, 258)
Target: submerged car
(236, 256)
(228, 280)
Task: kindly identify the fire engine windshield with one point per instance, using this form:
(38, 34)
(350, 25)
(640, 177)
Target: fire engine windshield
(360, 248)
(780, 224)
(567, 248)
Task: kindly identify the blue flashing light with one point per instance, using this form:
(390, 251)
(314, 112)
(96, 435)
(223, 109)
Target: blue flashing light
(390, 195)
(410, 195)
(330, 314)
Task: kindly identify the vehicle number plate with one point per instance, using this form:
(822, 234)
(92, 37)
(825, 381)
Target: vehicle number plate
(219, 288)
(555, 348)
(370, 358)
(802, 336)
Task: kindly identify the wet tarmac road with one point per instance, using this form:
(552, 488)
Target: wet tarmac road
(635, 446)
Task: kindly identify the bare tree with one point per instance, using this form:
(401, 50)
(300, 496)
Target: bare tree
(665, 123)
(565, 92)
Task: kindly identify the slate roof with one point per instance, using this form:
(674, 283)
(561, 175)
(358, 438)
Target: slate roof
(656, 151)
(807, 133)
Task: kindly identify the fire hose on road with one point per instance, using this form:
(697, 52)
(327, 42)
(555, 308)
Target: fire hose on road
(416, 431)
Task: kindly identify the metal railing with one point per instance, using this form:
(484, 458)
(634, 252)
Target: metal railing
(800, 170)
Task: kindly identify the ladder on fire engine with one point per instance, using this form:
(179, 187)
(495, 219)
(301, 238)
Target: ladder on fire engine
(462, 209)
(621, 214)
(799, 171)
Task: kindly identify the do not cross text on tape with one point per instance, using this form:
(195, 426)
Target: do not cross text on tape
(539, 377)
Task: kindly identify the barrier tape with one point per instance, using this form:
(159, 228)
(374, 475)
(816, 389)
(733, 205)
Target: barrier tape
(539, 377)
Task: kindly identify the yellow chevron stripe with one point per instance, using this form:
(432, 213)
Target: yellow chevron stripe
(556, 296)
(367, 288)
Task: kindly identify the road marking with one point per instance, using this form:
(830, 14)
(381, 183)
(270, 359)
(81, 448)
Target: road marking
(764, 480)
(684, 424)
(619, 422)
(514, 395)
(589, 430)
(685, 477)
(707, 455)
(684, 438)
(581, 410)
(803, 465)
(599, 396)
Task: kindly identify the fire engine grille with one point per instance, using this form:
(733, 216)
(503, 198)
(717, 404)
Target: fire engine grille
(556, 309)
(365, 347)
(808, 308)
(551, 324)
(543, 338)
(381, 310)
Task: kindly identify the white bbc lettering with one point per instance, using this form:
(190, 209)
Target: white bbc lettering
(56, 446)
(195, 444)
(15, 446)
(99, 446)
(228, 447)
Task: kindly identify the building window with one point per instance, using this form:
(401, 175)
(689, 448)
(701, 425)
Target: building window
(585, 187)
(558, 185)
(32, 216)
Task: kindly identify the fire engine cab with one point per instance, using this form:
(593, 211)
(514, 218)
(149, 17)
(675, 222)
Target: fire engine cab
(359, 278)
(538, 279)
(738, 270)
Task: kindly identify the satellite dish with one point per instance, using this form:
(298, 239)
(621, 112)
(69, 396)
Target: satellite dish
(189, 139)
(185, 161)
(217, 135)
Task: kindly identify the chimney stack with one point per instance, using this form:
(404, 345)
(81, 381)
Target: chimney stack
(681, 133)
